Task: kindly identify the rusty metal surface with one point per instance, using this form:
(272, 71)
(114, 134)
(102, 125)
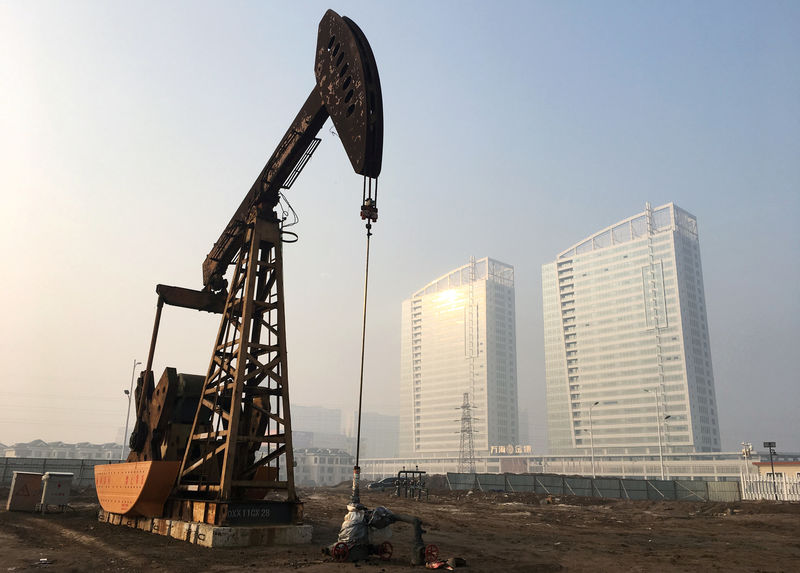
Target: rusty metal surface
(348, 82)
(154, 417)
(167, 416)
(195, 299)
(266, 188)
(245, 393)
(135, 488)
(238, 438)
(243, 512)
(348, 90)
(152, 429)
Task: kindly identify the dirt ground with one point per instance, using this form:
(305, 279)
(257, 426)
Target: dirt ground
(493, 532)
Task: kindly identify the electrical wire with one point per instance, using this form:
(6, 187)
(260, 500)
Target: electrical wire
(286, 213)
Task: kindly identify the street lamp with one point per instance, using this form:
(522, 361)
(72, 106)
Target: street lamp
(658, 428)
(771, 446)
(665, 427)
(129, 394)
(591, 434)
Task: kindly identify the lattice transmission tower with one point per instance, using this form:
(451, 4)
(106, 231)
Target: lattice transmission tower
(466, 452)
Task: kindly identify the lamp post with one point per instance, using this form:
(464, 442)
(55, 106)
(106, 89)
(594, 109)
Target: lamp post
(128, 393)
(658, 428)
(771, 446)
(665, 427)
(591, 435)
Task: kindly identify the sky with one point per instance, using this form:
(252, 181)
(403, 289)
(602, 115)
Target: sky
(129, 133)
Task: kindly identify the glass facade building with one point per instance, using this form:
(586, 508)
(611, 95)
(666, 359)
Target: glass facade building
(459, 336)
(627, 350)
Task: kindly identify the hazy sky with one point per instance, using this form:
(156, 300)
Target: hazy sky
(129, 133)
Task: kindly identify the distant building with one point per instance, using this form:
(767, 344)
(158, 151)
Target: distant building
(459, 336)
(317, 427)
(525, 437)
(378, 434)
(82, 450)
(786, 465)
(316, 419)
(782, 469)
(627, 350)
(322, 466)
(334, 441)
(301, 440)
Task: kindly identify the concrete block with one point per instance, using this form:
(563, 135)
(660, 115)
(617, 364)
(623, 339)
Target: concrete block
(246, 536)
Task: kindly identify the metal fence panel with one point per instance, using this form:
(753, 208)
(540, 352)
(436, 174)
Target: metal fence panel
(521, 483)
(491, 482)
(605, 487)
(23, 465)
(461, 481)
(727, 491)
(691, 490)
(550, 485)
(578, 486)
(634, 489)
(660, 489)
(82, 470)
(12, 465)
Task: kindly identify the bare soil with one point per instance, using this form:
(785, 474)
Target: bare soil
(492, 531)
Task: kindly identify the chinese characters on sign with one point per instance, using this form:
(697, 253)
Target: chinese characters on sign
(509, 449)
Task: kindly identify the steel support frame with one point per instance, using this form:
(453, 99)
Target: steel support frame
(246, 393)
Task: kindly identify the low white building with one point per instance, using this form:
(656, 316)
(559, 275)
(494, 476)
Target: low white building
(82, 450)
(322, 466)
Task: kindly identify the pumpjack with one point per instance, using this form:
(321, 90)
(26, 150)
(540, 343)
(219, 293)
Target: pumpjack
(218, 448)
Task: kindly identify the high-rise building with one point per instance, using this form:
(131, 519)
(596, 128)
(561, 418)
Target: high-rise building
(317, 427)
(316, 419)
(627, 351)
(378, 434)
(458, 336)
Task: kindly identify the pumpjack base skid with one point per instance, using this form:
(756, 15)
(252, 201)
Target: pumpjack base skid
(234, 513)
(209, 535)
